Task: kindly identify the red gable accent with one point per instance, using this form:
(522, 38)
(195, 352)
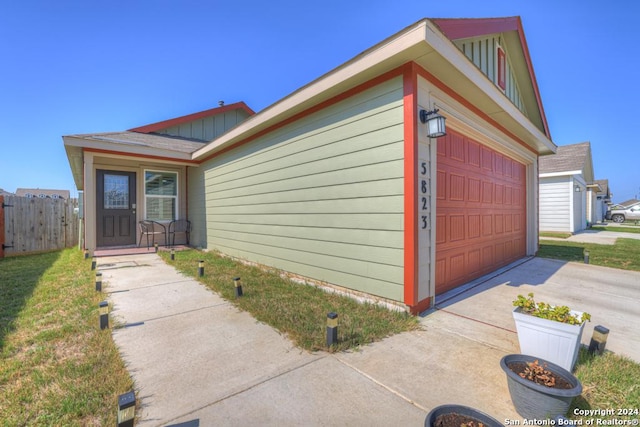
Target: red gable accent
(153, 127)
(463, 28)
(473, 27)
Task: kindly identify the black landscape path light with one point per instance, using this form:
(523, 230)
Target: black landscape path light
(237, 287)
(201, 268)
(332, 329)
(598, 340)
(104, 314)
(126, 409)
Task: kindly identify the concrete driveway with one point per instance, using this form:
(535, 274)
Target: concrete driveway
(611, 296)
(198, 361)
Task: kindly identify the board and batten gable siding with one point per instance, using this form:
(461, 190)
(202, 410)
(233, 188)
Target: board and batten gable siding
(208, 128)
(555, 206)
(321, 197)
(482, 52)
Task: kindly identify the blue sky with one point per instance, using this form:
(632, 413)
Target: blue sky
(71, 67)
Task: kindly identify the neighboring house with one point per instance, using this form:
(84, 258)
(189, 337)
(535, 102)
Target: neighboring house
(603, 199)
(4, 192)
(626, 204)
(339, 182)
(567, 189)
(43, 193)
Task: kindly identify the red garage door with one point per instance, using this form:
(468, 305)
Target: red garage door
(480, 210)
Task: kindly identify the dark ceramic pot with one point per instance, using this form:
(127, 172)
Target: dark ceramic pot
(460, 410)
(535, 401)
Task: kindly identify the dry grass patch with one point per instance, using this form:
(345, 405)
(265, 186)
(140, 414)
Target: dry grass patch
(56, 366)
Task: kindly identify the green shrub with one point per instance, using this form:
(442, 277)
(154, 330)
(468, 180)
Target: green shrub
(559, 313)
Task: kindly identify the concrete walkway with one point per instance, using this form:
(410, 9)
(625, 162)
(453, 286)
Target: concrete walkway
(198, 361)
(601, 237)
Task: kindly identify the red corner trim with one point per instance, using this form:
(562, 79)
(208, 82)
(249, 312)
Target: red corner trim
(153, 127)
(434, 80)
(410, 88)
(534, 81)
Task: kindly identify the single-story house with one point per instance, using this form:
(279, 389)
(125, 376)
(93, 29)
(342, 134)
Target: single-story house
(626, 204)
(603, 199)
(339, 181)
(43, 193)
(567, 189)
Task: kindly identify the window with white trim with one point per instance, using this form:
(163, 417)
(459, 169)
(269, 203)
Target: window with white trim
(160, 195)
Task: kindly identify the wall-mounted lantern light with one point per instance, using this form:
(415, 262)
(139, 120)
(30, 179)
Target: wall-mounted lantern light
(577, 189)
(435, 123)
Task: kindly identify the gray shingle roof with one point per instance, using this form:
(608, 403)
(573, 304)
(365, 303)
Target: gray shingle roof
(567, 158)
(604, 184)
(147, 140)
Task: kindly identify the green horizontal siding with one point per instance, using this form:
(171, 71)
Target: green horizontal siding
(196, 207)
(321, 197)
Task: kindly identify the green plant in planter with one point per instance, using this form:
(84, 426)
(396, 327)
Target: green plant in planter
(543, 310)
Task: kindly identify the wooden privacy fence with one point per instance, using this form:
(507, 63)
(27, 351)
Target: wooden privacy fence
(30, 225)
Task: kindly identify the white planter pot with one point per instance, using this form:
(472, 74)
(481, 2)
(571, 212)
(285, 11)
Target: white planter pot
(556, 342)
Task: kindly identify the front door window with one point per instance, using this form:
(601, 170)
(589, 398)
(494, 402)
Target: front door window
(116, 191)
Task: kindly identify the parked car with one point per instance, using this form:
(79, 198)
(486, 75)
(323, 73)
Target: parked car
(621, 215)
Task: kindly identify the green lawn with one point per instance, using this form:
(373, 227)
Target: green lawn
(56, 366)
(294, 309)
(608, 382)
(625, 254)
(633, 229)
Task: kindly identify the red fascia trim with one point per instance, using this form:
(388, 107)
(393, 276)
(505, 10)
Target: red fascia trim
(463, 28)
(534, 81)
(153, 127)
(341, 97)
(410, 98)
(143, 156)
(431, 78)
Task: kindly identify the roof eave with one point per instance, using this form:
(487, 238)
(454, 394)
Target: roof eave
(464, 28)
(75, 146)
(560, 173)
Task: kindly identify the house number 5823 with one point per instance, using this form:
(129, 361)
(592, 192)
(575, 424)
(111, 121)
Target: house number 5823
(423, 190)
